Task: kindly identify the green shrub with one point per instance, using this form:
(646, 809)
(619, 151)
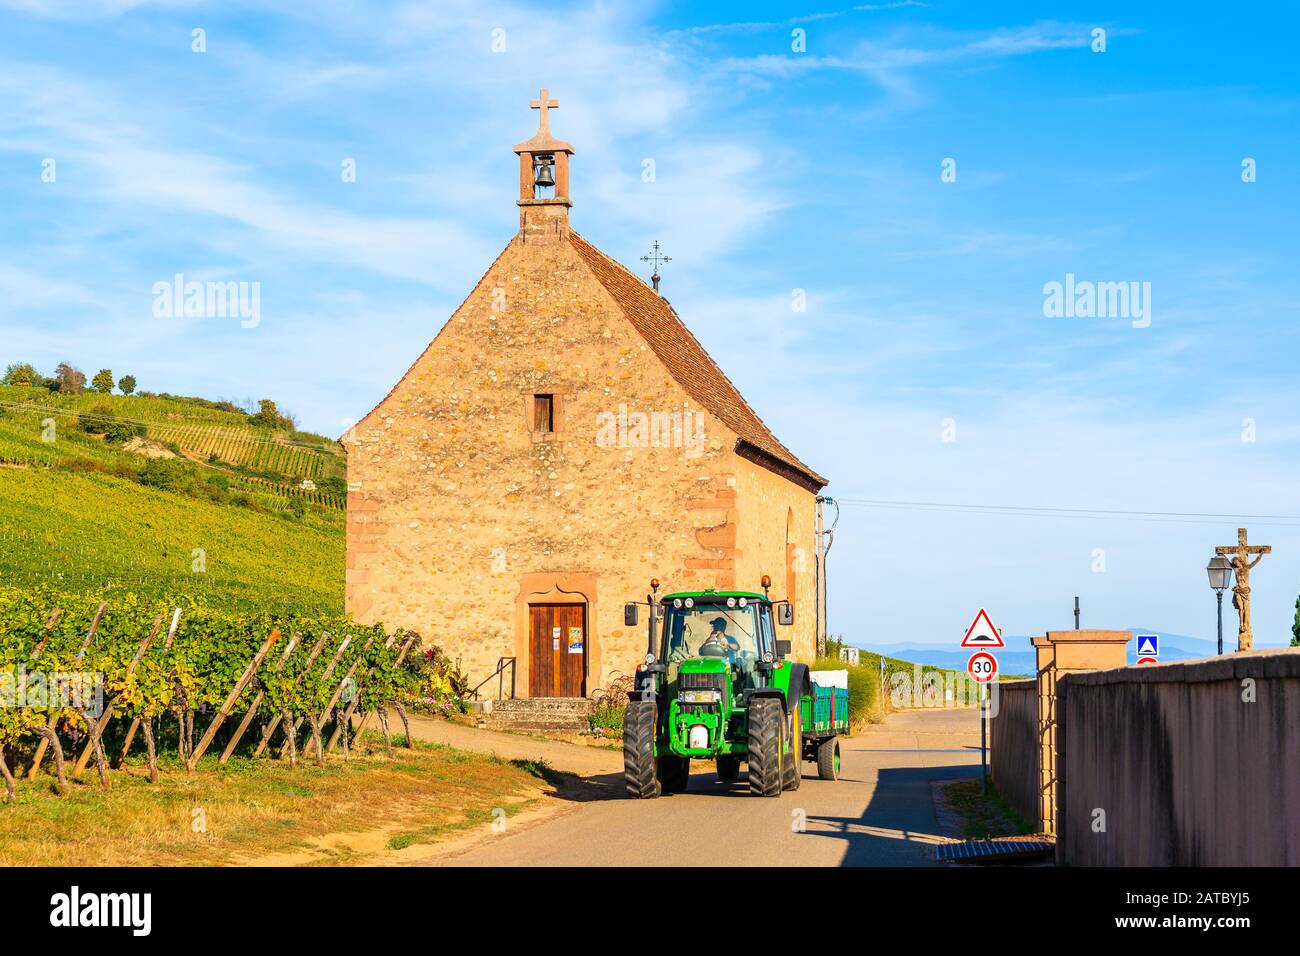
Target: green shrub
(166, 474)
(607, 718)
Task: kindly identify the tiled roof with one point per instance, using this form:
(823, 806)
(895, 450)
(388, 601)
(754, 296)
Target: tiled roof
(692, 367)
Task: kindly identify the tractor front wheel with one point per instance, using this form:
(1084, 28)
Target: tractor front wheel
(639, 765)
(728, 767)
(766, 746)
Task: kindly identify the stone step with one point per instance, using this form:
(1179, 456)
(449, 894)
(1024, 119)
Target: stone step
(539, 713)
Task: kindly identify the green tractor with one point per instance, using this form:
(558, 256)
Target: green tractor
(718, 685)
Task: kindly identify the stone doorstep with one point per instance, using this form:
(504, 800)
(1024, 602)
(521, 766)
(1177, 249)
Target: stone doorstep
(537, 705)
(540, 713)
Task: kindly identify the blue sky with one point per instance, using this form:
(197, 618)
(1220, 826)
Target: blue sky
(775, 170)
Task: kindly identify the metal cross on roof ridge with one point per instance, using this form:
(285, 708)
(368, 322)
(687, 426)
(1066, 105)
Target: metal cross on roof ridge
(655, 257)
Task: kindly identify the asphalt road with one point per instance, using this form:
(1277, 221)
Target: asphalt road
(880, 813)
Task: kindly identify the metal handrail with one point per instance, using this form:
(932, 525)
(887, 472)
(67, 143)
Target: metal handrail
(499, 674)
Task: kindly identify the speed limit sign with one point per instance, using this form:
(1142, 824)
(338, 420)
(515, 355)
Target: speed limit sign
(982, 667)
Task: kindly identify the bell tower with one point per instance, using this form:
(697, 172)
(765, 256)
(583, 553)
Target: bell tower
(544, 179)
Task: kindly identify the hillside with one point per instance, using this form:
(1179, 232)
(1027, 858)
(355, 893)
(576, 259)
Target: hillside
(83, 511)
(201, 430)
(86, 532)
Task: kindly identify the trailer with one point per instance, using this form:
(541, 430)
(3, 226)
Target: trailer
(825, 720)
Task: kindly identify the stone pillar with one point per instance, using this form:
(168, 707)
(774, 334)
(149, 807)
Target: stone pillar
(1060, 652)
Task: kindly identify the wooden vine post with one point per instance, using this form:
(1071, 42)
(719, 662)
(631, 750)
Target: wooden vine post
(11, 792)
(233, 696)
(292, 728)
(135, 724)
(334, 699)
(97, 728)
(257, 702)
(47, 733)
(345, 721)
(275, 721)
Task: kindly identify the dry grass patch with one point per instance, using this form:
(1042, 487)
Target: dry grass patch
(261, 811)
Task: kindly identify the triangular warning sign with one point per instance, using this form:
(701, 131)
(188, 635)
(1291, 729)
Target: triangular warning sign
(1147, 646)
(982, 633)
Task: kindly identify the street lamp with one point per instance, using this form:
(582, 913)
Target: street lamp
(1220, 571)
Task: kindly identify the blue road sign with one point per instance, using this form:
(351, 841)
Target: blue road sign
(1148, 645)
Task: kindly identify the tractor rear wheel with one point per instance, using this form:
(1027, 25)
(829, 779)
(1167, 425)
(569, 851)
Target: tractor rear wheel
(639, 764)
(828, 759)
(792, 774)
(766, 746)
(674, 773)
(728, 767)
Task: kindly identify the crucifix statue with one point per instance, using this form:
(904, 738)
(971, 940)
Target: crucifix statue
(1241, 564)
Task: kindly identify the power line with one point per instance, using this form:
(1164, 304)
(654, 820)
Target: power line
(1029, 511)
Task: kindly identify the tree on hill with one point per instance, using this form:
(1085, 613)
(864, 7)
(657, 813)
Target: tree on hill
(103, 381)
(127, 384)
(1295, 628)
(68, 380)
(268, 416)
(23, 373)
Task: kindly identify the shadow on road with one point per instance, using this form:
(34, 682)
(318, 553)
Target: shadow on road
(898, 827)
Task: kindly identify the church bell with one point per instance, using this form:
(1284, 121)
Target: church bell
(544, 171)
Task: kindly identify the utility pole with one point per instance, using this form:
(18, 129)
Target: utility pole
(825, 538)
(1076, 612)
(817, 580)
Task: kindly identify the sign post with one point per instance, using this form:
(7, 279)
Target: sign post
(982, 668)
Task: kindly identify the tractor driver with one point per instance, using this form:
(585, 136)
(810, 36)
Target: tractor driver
(719, 643)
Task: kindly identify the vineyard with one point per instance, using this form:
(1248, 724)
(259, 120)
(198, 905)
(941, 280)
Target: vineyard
(249, 448)
(88, 532)
(87, 682)
(199, 431)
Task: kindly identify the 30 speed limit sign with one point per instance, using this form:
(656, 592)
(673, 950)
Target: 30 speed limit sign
(982, 667)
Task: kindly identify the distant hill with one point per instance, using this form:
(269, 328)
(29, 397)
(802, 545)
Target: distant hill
(202, 430)
(1017, 658)
(202, 504)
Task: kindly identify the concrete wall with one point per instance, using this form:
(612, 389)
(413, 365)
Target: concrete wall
(1013, 746)
(1193, 764)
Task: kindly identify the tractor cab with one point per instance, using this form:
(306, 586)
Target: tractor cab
(732, 630)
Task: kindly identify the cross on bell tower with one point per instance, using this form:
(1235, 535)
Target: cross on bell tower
(544, 178)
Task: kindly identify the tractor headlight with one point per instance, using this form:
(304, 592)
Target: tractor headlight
(767, 657)
(701, 696)
(649, 659)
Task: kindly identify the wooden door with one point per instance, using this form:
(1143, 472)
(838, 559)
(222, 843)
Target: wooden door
(557, 656)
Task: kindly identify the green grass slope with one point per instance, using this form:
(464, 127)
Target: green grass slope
(200, 430)
(89, 532)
